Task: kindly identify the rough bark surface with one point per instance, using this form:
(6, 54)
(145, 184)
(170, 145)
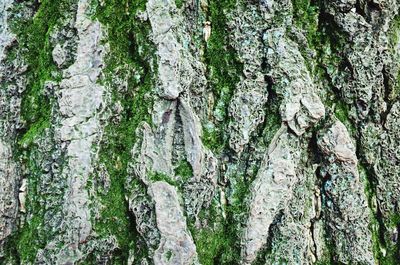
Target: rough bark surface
(199, 132)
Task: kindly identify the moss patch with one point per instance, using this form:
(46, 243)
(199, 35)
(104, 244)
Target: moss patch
(34, 47)
(130, 61)
(34, 42)
(305, 17)
(394, 35)
(219, 242)
(223, 72)
(184, 170)
(179, 3)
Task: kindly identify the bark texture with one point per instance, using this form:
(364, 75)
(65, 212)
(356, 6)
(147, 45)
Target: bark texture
(199, 132)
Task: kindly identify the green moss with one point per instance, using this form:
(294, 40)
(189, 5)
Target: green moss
(34, 131)
(223, 71)
(392, 255)
(29, 240)
(395, 91)
(156, 176)
(214, 138)
(380, 227)
(212, 245)
(34, 41)
(31, 237)
(179, 3)
(169, 255)
(34, 47)
(24, 245)
(129, 59)
(392, 248)
(342, 114)
(305, 17)
(394, 33)
(324, 261)
(374, 222)
(218, 243)
(184, 170)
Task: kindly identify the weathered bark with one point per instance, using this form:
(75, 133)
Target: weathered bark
(199, 132)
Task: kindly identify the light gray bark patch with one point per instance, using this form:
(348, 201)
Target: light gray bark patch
(173, 116)
(346, 212)
(140, 204)
(12, 84)
(176, 244)
(152, 154)
(301, 107)
(175, 72)
(247, 106)
(8, 193)
(295, 238)
(6, 37)
(153, 151)
(192, 134)
(270, 191)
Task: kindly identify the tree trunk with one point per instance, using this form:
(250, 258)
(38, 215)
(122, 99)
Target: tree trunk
(199, 132)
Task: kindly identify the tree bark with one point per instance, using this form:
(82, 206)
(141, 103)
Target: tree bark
(199, 132)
